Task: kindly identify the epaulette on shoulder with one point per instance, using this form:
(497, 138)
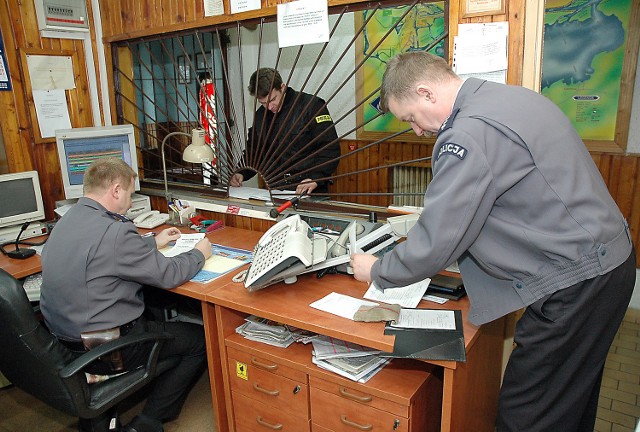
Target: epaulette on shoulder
(448, 123)
(118, 216)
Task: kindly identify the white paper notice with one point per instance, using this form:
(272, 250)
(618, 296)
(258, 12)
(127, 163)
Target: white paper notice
(185, 243)
(480, 51)
(426, 319)
(52, 111)
(244, 5)
(340, 304)
(213, 7)
(407, 296)
(303, 22)
(50, 72)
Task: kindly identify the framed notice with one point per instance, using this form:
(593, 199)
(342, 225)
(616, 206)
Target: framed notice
(474, 8)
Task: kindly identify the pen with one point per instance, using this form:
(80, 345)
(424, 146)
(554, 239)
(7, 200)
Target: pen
(149, 234)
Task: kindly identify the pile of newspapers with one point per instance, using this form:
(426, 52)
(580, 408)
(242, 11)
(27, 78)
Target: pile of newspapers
(271, 332)
(352, 361)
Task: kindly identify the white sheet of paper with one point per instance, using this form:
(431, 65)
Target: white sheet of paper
(48, 72)
(407, 296)
(426, 319)
(185, 243)
(244, 5)
(303, 22)
(213, 7)
(340, 304)
(52, 111)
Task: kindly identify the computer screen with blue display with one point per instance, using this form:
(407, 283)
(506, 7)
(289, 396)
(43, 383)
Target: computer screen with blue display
(78, 147)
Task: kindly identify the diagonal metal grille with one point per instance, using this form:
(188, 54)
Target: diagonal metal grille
(198, 79)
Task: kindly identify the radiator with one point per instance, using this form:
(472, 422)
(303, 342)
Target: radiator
(410, 180)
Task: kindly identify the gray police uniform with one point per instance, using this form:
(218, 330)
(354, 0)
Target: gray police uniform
(93, 269)
(518, 201)
(94, 265)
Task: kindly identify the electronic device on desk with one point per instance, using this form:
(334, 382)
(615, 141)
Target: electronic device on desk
(21, 210)
(448, 287)
(78, 147)
(150, 219)
(286, 250)
(31, 285)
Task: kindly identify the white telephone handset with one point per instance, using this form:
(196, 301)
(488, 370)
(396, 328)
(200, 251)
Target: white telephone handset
(150, 219)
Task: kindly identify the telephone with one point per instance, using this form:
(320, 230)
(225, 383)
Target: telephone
(287, 249)
(150, 219)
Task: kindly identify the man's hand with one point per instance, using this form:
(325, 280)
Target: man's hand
(236, 180)
(167, 235)
(307, 186)
(204, 246)
(361, 265)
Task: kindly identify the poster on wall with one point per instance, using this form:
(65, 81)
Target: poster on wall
(386, 34)
(583, 54)
(5, 78)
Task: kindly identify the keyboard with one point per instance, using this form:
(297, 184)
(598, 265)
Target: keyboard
(32, 286)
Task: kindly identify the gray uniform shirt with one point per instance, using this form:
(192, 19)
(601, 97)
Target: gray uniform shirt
(93, 269)
(516, 198)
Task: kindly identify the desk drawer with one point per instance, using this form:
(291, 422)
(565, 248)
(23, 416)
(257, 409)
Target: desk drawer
(253, 416)
(348, 392)
(337, 414)
(267, 387)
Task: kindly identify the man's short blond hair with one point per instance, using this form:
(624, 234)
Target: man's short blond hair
(405, 70)
(104, 172)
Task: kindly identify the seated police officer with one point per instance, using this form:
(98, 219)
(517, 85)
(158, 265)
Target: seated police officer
(94, 266)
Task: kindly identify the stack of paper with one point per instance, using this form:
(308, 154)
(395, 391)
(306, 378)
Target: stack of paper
(352, 361)
(265, 331)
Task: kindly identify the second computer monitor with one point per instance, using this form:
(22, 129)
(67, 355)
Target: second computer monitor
(78, 147)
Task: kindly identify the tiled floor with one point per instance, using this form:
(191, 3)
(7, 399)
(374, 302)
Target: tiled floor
(619, 404)
(619, 399)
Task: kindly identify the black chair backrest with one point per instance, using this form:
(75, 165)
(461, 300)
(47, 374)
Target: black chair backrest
(30, 356)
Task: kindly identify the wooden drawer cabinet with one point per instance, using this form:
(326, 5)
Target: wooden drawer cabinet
(253, 416)
(281, 389)
(268, 382)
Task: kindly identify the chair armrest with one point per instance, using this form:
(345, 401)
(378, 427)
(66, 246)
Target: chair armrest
(92, 355)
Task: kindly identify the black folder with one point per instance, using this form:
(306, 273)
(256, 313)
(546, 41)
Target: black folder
(428, 344)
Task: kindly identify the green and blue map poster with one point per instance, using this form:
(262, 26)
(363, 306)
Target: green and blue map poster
(388, 32)
(582, 58)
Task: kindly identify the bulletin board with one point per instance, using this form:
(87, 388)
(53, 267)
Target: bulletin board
(75, 104)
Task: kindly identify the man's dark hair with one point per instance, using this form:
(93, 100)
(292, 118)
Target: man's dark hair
(268, 79)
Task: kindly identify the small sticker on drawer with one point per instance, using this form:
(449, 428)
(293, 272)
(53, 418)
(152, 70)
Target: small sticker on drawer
(241, 370)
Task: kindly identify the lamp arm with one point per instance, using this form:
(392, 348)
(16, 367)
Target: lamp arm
(164, 165)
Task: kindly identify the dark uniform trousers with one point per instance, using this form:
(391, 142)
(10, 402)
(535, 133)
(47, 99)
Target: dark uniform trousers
(169, 390)
(552, 381)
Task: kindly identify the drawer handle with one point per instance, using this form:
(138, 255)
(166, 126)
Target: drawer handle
(343, 419)
(345, 393)
(269, 425)
(255, 362)
(257, 387)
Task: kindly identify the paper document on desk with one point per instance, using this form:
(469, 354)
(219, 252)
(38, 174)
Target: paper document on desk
(247, 193)
(341, 305)
(407, 296)
(223, 259)
(185, 243)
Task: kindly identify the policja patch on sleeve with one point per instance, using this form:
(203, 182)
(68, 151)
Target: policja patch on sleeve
(323, 118)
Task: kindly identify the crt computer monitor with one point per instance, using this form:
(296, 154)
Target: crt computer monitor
(78, 147)
(21, 198)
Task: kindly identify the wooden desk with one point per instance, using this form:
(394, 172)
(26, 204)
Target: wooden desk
(470, 390)
(21, 268)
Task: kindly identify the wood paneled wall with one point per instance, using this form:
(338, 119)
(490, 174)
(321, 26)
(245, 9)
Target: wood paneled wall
(127, 19)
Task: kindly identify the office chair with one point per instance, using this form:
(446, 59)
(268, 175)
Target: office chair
(34, 361)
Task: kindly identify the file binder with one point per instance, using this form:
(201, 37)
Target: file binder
(428, 344)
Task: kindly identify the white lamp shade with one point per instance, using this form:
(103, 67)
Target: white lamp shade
(198, 151)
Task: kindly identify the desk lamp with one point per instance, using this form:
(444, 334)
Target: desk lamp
(196, 152)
